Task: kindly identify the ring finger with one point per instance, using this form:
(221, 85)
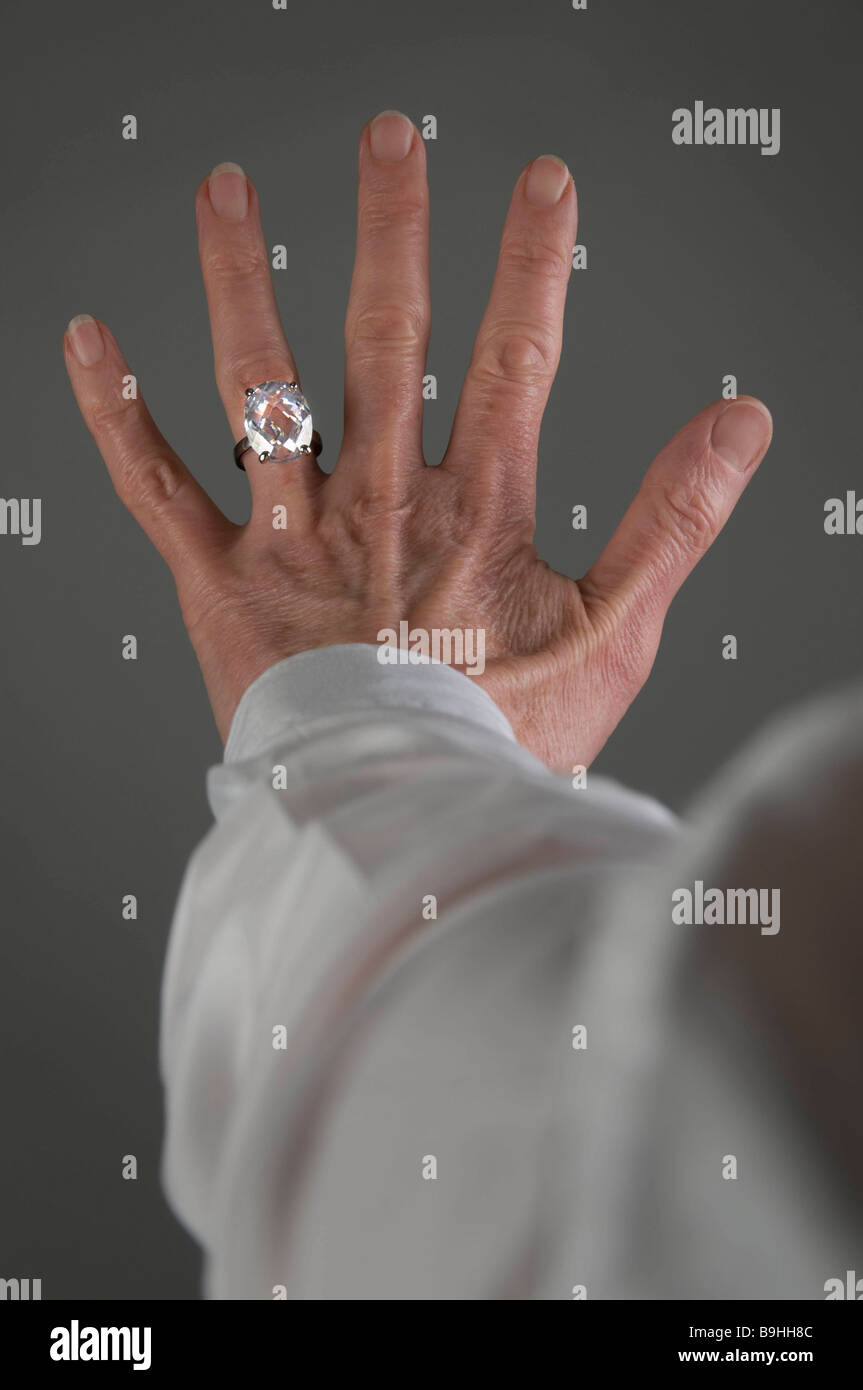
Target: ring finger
(249, 345)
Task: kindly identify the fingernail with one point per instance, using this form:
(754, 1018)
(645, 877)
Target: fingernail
(390, 136)
(85, 335)
(547, 180)
(741, 433)
(229, 192)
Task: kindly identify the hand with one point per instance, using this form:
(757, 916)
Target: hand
(386, 538)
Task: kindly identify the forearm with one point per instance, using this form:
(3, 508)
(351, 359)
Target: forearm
(361, 813)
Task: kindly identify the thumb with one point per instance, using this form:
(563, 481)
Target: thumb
(687, 495)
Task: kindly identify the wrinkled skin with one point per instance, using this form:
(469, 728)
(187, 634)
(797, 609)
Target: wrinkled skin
(386, 538)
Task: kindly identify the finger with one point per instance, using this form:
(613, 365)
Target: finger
(183, 523)
(249, 346)
(496, 428)
(388, 315)
(687, 495)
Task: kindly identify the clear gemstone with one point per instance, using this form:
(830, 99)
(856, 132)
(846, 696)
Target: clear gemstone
(278, 421)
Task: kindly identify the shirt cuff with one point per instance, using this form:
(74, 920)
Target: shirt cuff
(331, 681)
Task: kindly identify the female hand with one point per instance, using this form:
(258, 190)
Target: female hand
(385, 538)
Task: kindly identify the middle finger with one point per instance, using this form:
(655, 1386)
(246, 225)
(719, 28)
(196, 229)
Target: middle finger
(388, 317)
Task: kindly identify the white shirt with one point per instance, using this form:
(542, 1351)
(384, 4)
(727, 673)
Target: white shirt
(429, 1030)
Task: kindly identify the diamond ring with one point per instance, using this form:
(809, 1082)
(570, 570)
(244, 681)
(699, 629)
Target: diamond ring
(278, 424)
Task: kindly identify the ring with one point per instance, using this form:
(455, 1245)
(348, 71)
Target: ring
(278, 424)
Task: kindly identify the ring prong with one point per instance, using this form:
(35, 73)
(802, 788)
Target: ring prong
(264, 456)
(305, 448)
(293, 385)
(250, 390)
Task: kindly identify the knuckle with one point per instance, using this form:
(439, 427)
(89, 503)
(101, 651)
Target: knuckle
(627, 663)
(519, 353)
(112, 414)
(625, 633)
(687, 512)
(235, 263)
(380, 516)
(398, 324)
(631, 654)
(241, 369)
(463, 514)
(521, 255)
(149, 482)
(381, 211)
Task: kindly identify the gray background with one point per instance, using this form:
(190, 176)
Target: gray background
(701, 262)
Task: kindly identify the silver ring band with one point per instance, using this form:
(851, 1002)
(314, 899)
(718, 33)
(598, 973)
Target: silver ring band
(243, 447)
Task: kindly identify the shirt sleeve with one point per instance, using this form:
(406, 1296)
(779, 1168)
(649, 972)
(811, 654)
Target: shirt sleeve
(427, 1031)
